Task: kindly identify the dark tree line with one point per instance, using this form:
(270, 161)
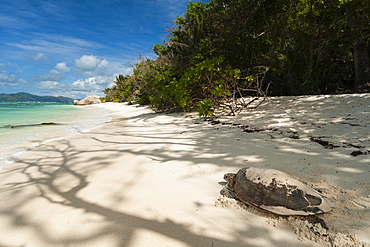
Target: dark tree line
(231, 48)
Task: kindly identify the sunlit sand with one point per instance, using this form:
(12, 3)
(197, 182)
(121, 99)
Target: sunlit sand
(149, 179)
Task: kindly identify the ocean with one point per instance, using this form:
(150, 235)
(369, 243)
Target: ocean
(27, 125)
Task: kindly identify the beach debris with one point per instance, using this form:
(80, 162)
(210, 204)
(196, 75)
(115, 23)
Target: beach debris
(29, 125)
(89, 100)
(358, 152)
(275, 191)
(323, 143)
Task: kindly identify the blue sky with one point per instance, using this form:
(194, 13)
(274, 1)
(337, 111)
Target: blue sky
(75, 48)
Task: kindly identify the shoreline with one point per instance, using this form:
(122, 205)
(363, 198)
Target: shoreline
(27, 135)
(155, 178)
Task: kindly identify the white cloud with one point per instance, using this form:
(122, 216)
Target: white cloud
(62, 67)
(56, 74)
(90, 63)
(103, 63)
(50, 85)
(52, 75)
(85, 84)
(10, 80)
(59, 46)
(39, 57)
(89, 86)
(93, 83)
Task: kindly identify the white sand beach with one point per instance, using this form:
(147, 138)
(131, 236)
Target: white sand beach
(154, 179)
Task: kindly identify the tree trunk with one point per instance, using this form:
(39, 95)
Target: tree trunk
(360, 52)
(361, 59)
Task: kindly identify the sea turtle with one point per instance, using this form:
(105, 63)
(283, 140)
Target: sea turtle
(275, 191)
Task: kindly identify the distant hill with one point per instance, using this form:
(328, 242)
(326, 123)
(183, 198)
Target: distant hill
(26, 97)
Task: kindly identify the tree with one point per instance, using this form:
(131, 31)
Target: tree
(357, 14)
(232, 48)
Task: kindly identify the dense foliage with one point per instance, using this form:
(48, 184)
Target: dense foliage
(231, 48)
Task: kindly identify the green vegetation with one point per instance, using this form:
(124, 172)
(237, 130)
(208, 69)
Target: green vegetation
(226, 49)
(26, 97)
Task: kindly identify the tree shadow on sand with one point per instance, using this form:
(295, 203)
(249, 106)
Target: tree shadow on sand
(41, 176)
(173, 139)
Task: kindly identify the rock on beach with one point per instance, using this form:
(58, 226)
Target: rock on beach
(88, 101)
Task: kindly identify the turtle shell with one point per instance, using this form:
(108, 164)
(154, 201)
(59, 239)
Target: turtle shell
(277, 192)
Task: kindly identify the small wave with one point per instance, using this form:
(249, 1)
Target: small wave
(26, 131)
(9, 158)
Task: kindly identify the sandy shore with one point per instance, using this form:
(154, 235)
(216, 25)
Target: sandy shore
(148, 179)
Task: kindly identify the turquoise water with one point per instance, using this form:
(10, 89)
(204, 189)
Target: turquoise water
(27, 125)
